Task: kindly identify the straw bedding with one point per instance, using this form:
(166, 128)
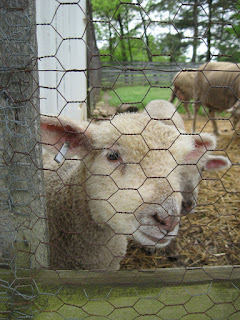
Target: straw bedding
(210, 236)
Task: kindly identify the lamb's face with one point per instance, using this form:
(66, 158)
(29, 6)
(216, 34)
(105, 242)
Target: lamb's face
(129, 173)
(134, 184)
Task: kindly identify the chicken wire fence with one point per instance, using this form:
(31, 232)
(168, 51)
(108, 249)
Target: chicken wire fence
(123, 183)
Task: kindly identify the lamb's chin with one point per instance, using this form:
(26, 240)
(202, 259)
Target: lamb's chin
(147, 239)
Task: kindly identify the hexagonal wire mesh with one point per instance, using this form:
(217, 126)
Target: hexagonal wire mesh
(134, 191)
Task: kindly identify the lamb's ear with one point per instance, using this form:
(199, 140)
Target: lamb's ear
(56, 131)
(202, 143)
(216, 162)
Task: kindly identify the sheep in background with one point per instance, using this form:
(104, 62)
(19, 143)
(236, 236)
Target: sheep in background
(217, 87)
(183, 88)
(235, 111)
(191, 174)
(123, 184)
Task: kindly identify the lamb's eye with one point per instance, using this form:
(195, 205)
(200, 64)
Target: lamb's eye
(113, 155)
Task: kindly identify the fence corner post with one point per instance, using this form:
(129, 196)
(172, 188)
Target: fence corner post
(23, 241)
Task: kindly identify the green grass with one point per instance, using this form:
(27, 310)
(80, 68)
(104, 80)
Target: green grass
(139, 95)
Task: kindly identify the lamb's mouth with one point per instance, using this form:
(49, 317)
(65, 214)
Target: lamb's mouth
(155, 239)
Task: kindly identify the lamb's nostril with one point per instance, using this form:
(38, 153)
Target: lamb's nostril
(159, 221)
(188, 205)
(167, 223)
(155, 218)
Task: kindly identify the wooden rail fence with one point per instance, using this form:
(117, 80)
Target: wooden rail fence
(141, 73)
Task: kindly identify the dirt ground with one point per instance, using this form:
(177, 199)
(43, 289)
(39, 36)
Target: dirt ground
(210, 236)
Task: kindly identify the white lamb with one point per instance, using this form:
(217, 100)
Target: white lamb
(124, 183)
(191, 174)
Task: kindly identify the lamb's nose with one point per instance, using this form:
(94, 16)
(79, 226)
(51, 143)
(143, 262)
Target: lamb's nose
(168, 223)
(188, 205)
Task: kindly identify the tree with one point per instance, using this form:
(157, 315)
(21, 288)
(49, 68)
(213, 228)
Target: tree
(183, 26)
(118, 18)
(144, 24)
(173, 48)
(195, 26)
(225, 30)
(103, 12)
(209, 33)
(188, 22)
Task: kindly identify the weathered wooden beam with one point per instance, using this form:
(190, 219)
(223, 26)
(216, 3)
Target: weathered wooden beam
(23, 215)
(166, 276)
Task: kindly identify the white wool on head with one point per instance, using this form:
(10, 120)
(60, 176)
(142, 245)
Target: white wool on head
(165, 111)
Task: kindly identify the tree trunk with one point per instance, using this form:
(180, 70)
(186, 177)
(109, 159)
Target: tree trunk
(195, 23)
(146, 37)
(129, 42)
(209, 35)
(110, 42)
(93, 62)
(122, 40)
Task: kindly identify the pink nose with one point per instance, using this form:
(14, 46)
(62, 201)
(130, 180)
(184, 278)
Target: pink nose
(188, 205)
(168, 223)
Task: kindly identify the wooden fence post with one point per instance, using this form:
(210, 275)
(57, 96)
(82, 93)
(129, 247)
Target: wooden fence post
(23, 226)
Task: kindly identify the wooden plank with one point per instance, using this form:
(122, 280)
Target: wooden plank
(167, 276)
(72, 294)
(145, 300)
